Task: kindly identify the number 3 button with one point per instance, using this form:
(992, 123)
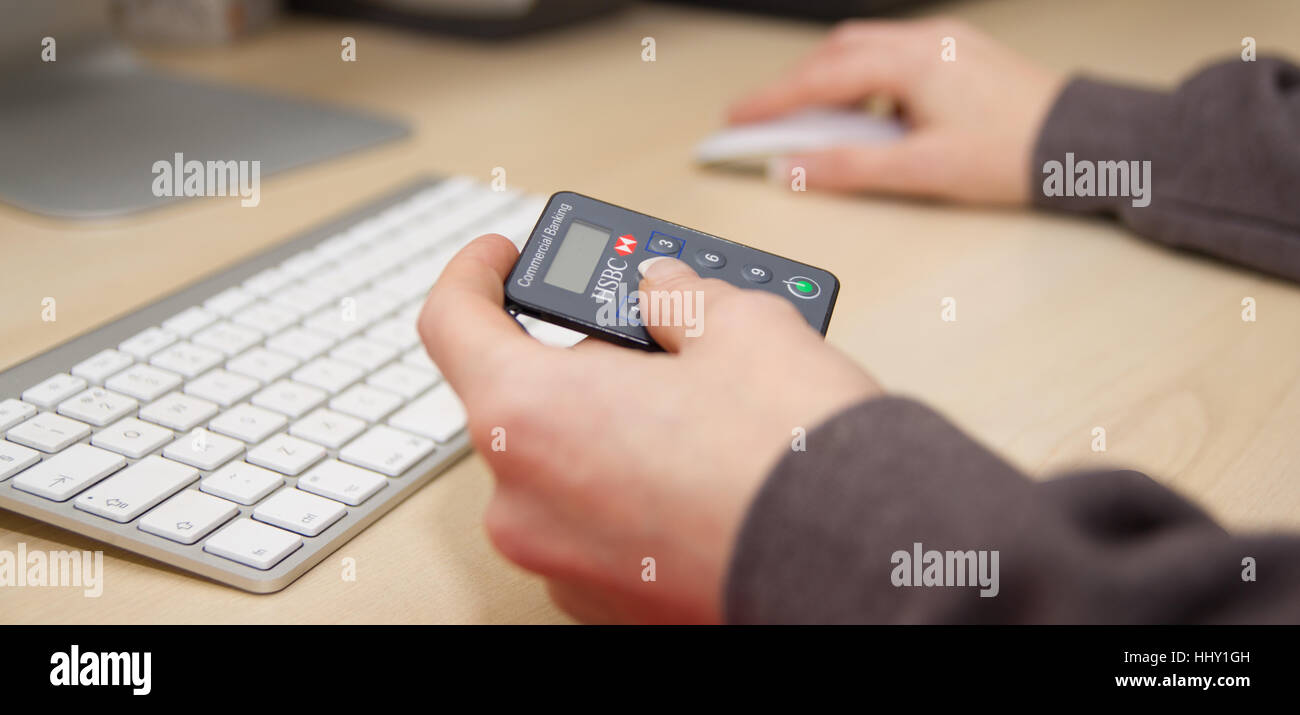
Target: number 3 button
(710, 259)
(663, 244)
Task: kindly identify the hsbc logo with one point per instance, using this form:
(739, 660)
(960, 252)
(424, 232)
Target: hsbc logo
(626, 244)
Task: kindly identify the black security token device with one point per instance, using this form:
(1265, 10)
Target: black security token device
(579, 270)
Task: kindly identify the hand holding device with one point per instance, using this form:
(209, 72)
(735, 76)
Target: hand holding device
(577, 270)
(971, 121)
(608, 456)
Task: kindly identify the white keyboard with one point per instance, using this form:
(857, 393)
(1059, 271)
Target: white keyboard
(246, 427)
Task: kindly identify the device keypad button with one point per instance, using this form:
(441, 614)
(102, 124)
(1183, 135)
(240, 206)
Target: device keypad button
(755, 273)
(663, 244)
(707, 258)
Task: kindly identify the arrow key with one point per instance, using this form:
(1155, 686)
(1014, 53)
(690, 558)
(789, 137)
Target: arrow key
(68, 472)
(136, 489)
(188, 516)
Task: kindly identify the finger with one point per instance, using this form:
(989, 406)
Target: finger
(673, 299)
(834, 76)
(905, 167)
(463, 323)
(594, 346)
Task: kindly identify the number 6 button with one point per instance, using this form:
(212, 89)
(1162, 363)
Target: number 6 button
(710, 259)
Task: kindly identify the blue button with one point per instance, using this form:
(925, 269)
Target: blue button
(663, 244)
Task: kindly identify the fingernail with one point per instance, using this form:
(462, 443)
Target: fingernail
(660, 268)
(778, 170)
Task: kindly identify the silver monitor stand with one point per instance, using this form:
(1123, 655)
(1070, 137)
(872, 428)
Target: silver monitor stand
(79, 136)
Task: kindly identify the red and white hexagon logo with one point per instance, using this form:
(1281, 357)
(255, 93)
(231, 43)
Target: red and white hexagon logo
(626, 244)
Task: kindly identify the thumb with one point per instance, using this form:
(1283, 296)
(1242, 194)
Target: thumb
(672, 301)
(896, 167)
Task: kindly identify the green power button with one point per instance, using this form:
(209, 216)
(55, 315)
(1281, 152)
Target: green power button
(801, 287)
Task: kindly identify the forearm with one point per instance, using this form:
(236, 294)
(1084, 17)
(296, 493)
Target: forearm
(1223, 152)
(822, 540)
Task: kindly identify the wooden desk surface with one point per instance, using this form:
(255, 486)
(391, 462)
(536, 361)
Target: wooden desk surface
(1063, 324)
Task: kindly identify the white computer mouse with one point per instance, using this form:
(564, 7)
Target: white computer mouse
(749, 146)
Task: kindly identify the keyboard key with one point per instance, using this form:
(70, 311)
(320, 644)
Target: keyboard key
(229, 301)
(68, 472)
(131, 437)
(267, 319)
(203, 449)
(179, 412)
(419, 358)
(327, 428)
(144, 382)
(371, 305)
(327, 374)
(296, 510)
(285, 454)
(337, 282)
(248, 423)
(411, 282)
(403, 380)
(411, 313)
(136, 489)
(396, 332)
(48, 432)
(221, 387)
(186, 359)
(386, 450)
(262, 365)
(98, 406)
(332, 322)
(253, 544)
(365, 354)
(15, 458)
(14, 411)
(306, 263)
(98, 368)
(53, 390)
(438, 414)
(267, 282)
(301, 344)
(366, 402)
(147, 342)
(290, 398)
(299, 298)
(189, 321)
(241, 482)
(188, 516)
(229, 338)
(342, 482)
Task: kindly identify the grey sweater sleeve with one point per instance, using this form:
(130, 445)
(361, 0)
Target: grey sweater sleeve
(890, 500)
(822, 541)
(1224, 149)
